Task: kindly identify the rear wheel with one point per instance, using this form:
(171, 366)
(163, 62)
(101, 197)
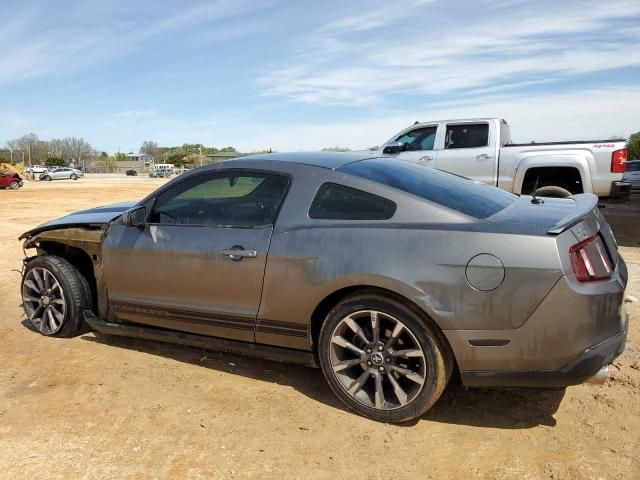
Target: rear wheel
(54, 296)
(382, 359)
(552, 191)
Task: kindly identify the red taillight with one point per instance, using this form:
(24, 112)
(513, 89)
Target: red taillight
(619, 160)
(589, 260)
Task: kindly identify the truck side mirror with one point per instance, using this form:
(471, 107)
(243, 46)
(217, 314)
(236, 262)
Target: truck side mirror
(136, 217)
(393, 147)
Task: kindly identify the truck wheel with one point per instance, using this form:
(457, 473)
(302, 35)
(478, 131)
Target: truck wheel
(552, 191)
(14, 185)
(382, 359)
(54, 296)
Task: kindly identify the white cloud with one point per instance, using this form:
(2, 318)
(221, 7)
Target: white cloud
(43, 39)
(454, 51)
(589, 114)
(136, 114)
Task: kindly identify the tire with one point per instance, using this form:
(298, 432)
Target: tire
(14, 185)
(73, 176)
(47, 178)
(358, 385)
(67, 294)
(552, 191)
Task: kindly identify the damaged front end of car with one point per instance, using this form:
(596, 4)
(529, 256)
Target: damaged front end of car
(77, 238)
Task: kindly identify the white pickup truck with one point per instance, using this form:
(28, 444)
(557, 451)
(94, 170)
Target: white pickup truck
(481, 149)
(36, 170)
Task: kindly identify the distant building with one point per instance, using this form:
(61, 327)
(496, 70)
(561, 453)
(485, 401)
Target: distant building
(220, 156)
(144, 159)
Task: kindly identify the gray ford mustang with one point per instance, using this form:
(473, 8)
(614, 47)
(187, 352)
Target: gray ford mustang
(387, 275)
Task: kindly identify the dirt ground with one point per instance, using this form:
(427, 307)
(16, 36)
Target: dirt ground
(101, 407)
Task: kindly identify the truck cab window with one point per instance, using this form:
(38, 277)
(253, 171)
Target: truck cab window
(467, 136)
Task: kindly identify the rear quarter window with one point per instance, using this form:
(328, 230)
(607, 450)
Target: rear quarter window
(339, 202)
(451, 191)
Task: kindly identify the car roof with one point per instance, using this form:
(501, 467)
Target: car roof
(330, 160)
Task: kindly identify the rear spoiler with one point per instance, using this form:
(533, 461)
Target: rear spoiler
(585, 203)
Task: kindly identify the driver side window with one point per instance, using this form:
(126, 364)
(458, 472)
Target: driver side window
(228, 199)
(419, 139)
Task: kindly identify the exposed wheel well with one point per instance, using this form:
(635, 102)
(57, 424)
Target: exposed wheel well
(564, 177)
(79, 259)
(324, 307)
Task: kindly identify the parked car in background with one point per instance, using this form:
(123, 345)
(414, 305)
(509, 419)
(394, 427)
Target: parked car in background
(481, 149)
(156, 174)
(132, 173)
(386, 274)
(36, 170)
(632, 174)
(62, 173)
(10, 179)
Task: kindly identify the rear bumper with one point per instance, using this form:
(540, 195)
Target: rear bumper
(574, 332)
(575, 372)
(620, 190)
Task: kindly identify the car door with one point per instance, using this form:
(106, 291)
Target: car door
(61, 173)
(419, 144)
(198, 263)
(469, 150)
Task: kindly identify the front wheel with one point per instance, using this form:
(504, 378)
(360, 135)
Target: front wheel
(382, 359)
(54, 296)
(47, 178)
(74, 176)
(14, 185)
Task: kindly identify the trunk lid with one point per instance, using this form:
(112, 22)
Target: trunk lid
(551, 216)
(578, 214)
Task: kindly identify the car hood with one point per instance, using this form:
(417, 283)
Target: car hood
(94, 217)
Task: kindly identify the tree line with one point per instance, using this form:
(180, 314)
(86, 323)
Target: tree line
(78, 152)
(184, 156)
(59, 151)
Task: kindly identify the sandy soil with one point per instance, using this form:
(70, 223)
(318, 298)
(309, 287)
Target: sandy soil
(100, 407)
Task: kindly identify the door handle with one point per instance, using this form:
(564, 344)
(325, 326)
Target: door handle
(483, 156)
(426, 158)
(238, 253)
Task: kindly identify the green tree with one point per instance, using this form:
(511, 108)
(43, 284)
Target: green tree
(55, 162)
(120, 157)
(177, 158)
(634, 146)
(150, 148)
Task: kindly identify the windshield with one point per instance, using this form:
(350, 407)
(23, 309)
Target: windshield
(457, 193)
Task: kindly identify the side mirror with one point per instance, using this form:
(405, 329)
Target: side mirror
(136, 217)
(393, 147)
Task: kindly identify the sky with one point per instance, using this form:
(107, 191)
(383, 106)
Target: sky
(303, 75)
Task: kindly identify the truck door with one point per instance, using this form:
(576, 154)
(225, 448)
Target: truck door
(418, 145)
(469, 150)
